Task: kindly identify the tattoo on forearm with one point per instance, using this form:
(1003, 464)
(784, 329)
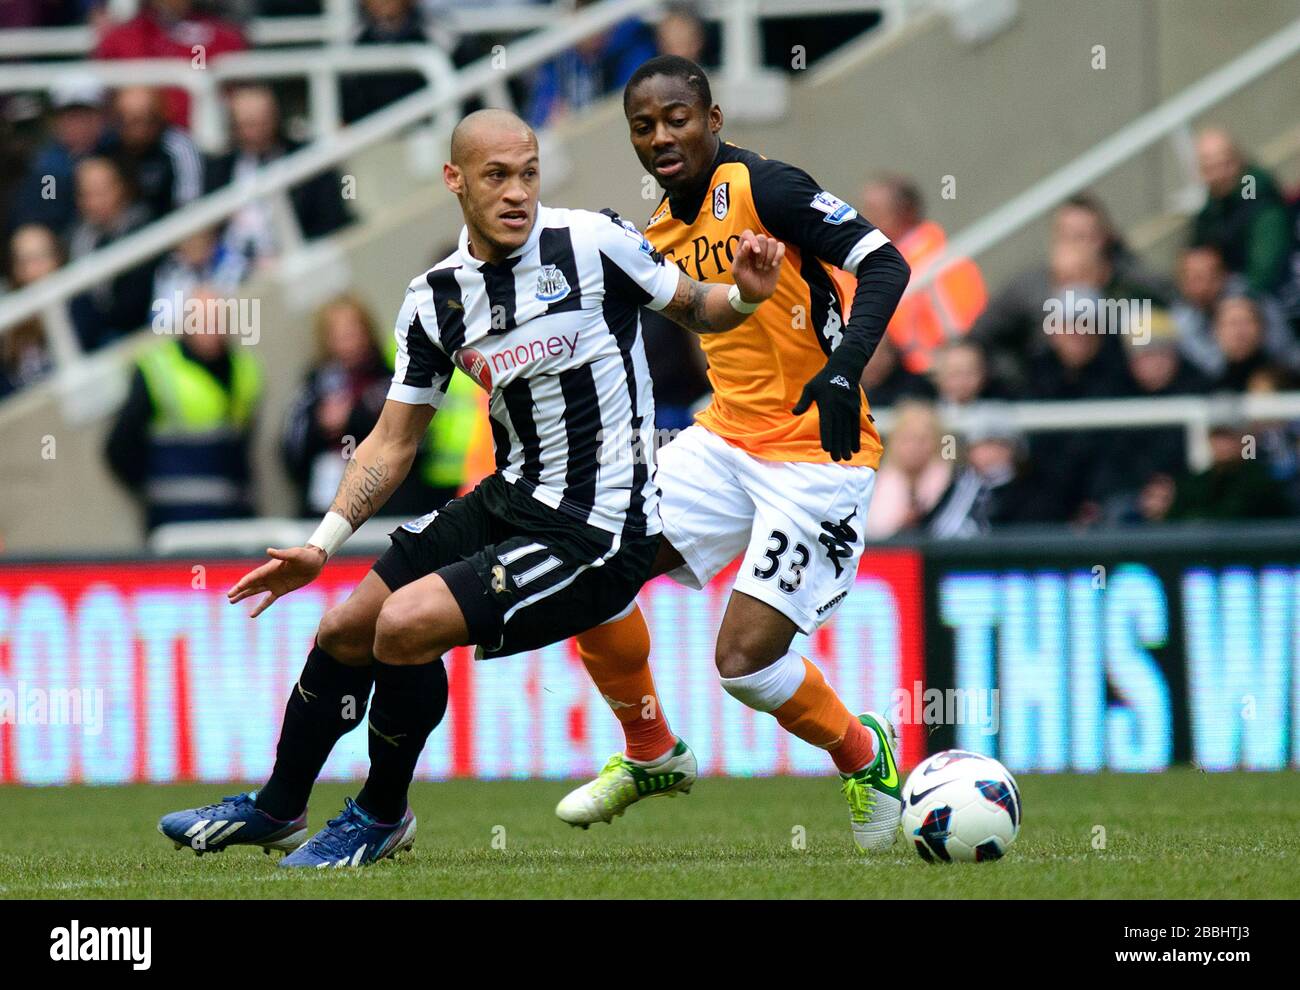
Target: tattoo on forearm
(359, 489)
(688, 306)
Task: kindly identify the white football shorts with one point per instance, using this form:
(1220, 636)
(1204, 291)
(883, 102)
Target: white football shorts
(799, 525)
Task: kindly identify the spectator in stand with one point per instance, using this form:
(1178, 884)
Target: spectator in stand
(1078, 363)
(107, 211)
(165, 164)
(200, 259)
(1288, 294)
(1235, 487)
(585, 73)
(961, 374)
(1083, 361)
(1087, 256)
(1277, 441)
(19, 141)
(913, 475)
(1244, 215)
(887, 381)
(172, 29)
(383, 22)
(1239, 334)
(1156, 366)
(341, 398)
(38, 13)
(181, 440)
(1156, 369)
(78, 129)
(258, 141)
(998, 485)
(1203, 281)
(680, 31)
(948, 306)
(34, 252)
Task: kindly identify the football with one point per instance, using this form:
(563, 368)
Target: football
(961, 807)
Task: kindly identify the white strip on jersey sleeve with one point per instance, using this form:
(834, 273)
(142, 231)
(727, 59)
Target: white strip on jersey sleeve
(864, 247)
(420, 371)
(628, 248)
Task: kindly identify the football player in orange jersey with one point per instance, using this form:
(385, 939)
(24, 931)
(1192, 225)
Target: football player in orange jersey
(779, 467)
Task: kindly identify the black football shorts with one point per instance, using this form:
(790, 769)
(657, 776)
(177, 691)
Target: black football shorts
(524, 575)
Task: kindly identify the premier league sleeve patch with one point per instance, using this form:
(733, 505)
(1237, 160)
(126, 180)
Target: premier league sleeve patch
(837, 211)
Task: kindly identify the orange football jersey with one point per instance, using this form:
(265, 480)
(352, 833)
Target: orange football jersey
(759, 369)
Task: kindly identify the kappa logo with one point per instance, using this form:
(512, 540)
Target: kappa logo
(822, 610)
(659, 214)
(837, 211)
(474, 364)
(552, 286)
(838, 539)
(721, 201)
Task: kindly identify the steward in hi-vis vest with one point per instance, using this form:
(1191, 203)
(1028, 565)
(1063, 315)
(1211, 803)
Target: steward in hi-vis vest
(181, 439)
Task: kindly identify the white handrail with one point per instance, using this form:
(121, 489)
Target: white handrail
(203, 84)
(292, 169)
(1128, 141)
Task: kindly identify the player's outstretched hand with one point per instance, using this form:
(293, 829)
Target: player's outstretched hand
(757, 266)
(286, 571)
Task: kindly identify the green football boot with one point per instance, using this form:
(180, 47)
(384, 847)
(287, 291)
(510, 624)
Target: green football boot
(875, 793)
(622, 784)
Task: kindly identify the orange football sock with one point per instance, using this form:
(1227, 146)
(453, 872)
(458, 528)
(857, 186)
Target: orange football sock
(816, 715)
(617, 656)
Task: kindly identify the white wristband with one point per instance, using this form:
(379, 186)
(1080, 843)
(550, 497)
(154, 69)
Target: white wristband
(738, 304)
(331, 534)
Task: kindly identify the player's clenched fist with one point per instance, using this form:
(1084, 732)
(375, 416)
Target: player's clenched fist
(286, 571)
(757, 266)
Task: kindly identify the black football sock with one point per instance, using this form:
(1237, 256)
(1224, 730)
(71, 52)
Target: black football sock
(409, 703)
(328, 701)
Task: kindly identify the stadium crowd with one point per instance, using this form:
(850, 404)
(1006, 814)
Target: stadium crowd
(94, 165)
(1091, 322)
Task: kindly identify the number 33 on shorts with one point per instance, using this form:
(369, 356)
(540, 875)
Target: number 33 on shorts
(771, 566)
(804, 567)
(799, 525)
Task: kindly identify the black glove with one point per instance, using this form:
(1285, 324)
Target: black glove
(839, 402)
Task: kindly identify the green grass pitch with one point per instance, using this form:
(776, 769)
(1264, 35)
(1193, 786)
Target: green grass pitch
(1178, 834)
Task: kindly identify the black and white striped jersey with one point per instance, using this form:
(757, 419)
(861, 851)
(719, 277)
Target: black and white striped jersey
(553, 333)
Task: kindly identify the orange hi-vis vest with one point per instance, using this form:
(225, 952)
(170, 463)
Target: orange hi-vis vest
(944, 309)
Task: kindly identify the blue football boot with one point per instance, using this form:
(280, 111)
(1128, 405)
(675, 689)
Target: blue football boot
(234, 821)
(353, 839)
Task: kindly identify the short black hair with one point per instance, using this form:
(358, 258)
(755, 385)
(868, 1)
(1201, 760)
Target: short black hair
(676, 67)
